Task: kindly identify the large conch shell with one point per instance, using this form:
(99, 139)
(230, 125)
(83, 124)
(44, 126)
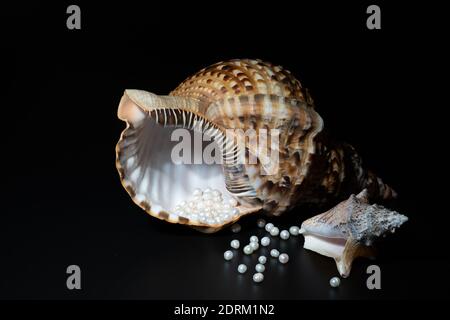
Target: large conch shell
(348, 230)
(236, 94)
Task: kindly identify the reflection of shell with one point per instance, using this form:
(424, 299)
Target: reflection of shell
(237, 94)
(349, 229)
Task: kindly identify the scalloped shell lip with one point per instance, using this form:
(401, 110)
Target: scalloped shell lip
(163, 214)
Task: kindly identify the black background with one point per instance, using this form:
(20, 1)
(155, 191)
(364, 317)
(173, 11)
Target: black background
(63, 203)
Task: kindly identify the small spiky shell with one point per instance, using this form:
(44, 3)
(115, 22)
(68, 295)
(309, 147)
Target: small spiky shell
(349, 229)
(248, 94)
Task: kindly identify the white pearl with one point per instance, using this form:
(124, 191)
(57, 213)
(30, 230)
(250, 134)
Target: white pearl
(235, 228)
(260, 223)
(274, 253)
(284, 234)
(235, 244)
(254, 239)
(216, 193)
(211, 221)
(207, 190)
(254, 245)
(235, 211)
(242, 268)
(232, 202)
(260, 267)
(207, 196)
(258, 277)
(269, 227)
(335, 282)
(248, 249)
(262, 259)
(294, 230)
(274, 231)
(265, 241)
(197, 192)
(228, 255)
(283, 258)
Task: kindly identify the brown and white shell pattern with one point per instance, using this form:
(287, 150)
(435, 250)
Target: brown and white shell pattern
(247, 94)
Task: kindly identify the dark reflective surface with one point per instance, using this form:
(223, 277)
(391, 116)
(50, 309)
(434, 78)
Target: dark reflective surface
(63, 201)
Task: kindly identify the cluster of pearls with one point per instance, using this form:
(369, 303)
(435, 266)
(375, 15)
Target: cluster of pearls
(265, 241)
(207, 206)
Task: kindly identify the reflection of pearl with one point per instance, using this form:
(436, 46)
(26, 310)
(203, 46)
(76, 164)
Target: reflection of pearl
(283, 258)
(274, 231)
(235, 228)
(262, 259)
(269, 227)
(274, 253)
(242, 268)
(265, 241)
(235, 244)
(335, 282)
(228, 255)
(294, 230)
(261, 223)
(284, 234)
(258, 277)
(260, 267)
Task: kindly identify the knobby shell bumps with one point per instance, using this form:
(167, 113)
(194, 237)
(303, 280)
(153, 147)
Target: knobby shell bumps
(237, 94)
(349, 230)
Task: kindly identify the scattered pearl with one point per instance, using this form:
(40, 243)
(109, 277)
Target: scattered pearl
(235, 244)
(248, 249)
(260, 223)
(283, 258)
(235, 228)
(258, 277)
(269, 227)
(265, 241)
(274, 253)
(262, 259)
(335, 282)
(274, 232)
(242, 268)
(284, 234)
(254, 239)
(294, 230)
(228, 255)
(254, 246)
(260, 267)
